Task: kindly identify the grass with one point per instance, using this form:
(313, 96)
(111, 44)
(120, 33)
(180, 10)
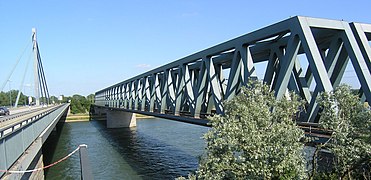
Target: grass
(87, 117)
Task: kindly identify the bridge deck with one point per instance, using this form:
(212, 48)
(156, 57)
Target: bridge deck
(22, 135)
(20, 114)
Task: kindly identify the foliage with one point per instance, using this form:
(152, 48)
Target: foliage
(54, 99)
(190, 177)
(90, 98)
(79, 104)
(255, 139)
(10, 97)
(350, 143)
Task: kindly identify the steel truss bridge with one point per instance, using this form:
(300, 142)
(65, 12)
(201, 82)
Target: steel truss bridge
(301, 54)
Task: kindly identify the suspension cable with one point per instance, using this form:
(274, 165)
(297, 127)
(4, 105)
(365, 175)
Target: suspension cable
(15, 65)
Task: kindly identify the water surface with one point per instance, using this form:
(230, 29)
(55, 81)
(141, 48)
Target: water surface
(155, 149)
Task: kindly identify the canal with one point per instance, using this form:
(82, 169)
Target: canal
(155, 149)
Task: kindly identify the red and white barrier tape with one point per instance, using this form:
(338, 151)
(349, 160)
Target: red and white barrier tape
(45, 167)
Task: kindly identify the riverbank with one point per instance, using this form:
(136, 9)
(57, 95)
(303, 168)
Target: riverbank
(87, 117)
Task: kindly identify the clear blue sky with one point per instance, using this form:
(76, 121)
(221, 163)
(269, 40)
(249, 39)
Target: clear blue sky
(87, 45)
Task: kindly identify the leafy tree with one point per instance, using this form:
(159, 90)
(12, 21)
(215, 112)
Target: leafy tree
(257, 138)
(54, 99)
(5, 101)
(66, 99)
(350, 142)
(79, 104)
(44, 100)
(91, 98)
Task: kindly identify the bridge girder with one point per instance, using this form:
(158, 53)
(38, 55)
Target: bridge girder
(197, 85)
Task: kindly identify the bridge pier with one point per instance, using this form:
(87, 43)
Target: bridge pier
(118, 119)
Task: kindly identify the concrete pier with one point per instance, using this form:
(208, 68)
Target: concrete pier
(118, 119)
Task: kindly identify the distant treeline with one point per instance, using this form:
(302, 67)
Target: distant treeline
(9, 98)
(79, 104)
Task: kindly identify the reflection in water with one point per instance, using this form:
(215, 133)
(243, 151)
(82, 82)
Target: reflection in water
(155, 149)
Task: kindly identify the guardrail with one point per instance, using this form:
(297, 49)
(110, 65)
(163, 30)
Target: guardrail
(15, 138)
(13, 116)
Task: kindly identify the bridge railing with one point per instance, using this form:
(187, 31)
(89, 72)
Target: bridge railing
(17, 137)
(301, 54)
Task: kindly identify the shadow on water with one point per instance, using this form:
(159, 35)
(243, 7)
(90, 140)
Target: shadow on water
(50, 145)
(149, 156)
(155, 149)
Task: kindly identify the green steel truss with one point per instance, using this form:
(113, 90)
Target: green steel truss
(196, 85)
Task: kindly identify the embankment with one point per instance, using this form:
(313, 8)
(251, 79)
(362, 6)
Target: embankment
(88, 117)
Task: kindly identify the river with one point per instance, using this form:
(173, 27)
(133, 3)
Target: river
(155, 149)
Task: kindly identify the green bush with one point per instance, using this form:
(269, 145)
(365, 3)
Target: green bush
(257, 138)
(253, 142)
(350, 142)
(5, 98)
(79, 104)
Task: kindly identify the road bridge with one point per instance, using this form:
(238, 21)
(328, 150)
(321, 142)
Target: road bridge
(18, 111)
(22, 135)
(301, 54)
